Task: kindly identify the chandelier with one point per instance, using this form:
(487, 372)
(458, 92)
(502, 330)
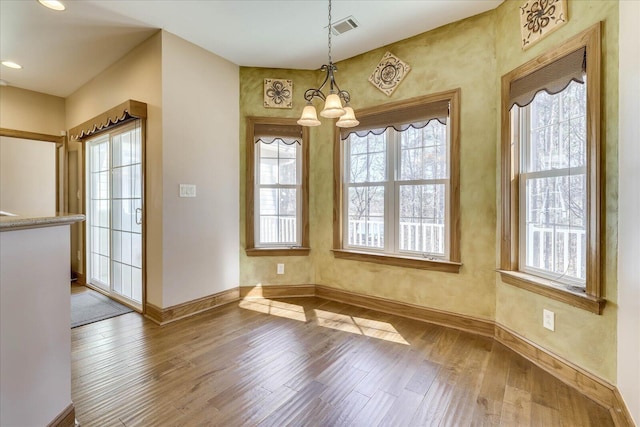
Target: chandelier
(333, 102)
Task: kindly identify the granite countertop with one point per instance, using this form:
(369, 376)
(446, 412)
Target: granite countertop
(9, 222)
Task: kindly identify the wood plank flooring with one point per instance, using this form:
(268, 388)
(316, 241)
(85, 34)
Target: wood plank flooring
(309, 362)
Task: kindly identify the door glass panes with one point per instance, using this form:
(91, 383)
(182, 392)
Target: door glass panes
(553, 183)
(115, 220)
(279, 188)
(99, 211)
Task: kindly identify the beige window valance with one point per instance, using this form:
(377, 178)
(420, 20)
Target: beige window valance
(128, 110)
(269, 133)
(400, 119)
(552, 78)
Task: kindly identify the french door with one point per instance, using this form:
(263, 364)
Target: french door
(114, 212)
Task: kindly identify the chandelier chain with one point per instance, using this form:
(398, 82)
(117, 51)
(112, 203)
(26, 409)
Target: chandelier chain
(329, 31)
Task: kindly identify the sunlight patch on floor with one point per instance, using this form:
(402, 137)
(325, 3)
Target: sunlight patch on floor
(360, 326)
(275, 308)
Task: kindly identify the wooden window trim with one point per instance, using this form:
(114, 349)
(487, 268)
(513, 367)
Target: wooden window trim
(454, 263)
(250, 248)
(593, 299)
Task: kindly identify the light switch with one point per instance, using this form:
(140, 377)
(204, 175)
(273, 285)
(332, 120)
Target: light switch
(187, 190)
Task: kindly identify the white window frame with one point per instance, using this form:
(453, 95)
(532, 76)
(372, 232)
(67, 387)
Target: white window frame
(297, 187)
(523, 118)
(391, 186)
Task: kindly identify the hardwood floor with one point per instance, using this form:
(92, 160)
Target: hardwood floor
(309, 362)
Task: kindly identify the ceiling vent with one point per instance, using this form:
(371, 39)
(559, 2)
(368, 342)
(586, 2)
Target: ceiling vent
(342, 26)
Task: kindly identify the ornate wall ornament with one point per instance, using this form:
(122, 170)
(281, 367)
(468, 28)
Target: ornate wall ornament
(278, 93)
(389, 73)
(538, 18)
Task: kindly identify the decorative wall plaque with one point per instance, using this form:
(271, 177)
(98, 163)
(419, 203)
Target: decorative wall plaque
(389, 73)
(278, 93)
(538, 18)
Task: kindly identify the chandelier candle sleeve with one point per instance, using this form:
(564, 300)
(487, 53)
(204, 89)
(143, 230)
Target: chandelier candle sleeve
(336, 103)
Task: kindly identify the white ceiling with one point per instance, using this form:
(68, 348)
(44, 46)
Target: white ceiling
(60, 51)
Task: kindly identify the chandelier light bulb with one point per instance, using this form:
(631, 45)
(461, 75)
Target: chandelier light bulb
(348, 120)
(332, 107)
(309, 116)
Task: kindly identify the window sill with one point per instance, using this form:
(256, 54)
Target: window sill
(548, 289)
(278, 251)
(399, 261)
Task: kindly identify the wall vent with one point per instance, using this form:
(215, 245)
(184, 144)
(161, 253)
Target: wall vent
(342, 26)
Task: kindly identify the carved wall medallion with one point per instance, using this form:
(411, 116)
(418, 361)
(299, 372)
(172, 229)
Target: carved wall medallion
(278, 93)
(389, 73)
(538, 18)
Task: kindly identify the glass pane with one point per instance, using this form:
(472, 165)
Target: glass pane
(358, 168)
(288, 171)
(136, 284)
(117, 277)
(558, 130)
(117, 183)
(268, 201)
(423, 152)
(287, 201)
(278, 210)
(137, 181)
(128, 215)
(126, 248)
(103, 269)
(136, 226)
(366, 216)
(422, 218)
(117, 245)
(127, 155)
(287, 150)
(268, 171)
(555, 226)
(116, 219)
(104, 157)
(136, 250)
(377, 167)
(126, 280)
(116, 151)
(367, 158)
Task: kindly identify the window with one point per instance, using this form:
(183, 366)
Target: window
(398, 194)
(550, 174)
(277, 187)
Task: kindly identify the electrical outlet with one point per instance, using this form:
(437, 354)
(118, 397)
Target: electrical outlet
(280, 269)
(548, 319)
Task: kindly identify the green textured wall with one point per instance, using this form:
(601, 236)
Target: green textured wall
(584, 338)
(434, 69)
(472, 55)
(262, 270)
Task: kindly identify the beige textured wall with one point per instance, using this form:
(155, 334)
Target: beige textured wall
(138, 76)
(584, 338)
(200, 108)
(27, 177)
(434, 69)
(629, 228)
(30, 111)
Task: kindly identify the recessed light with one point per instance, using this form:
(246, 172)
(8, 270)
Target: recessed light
(11, 64)
(53, 4)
